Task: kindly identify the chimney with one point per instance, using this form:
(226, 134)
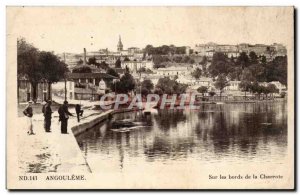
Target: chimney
(84, 56)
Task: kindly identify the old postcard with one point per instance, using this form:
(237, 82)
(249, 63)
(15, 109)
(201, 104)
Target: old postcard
(150, 97)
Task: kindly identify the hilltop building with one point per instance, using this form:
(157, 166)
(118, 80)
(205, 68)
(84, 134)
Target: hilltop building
(270, 51)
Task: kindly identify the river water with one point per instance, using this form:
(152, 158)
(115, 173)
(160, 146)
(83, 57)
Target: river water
(235, 134)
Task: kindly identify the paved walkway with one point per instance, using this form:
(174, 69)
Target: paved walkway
(51, 152)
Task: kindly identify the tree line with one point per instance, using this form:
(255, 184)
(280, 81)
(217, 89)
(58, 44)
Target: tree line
(164, 50)
(38, 66)
(249, 67)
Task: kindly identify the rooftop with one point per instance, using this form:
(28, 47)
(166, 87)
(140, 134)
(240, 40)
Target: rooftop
(90, 76)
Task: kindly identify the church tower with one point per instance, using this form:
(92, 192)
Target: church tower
(120, 45)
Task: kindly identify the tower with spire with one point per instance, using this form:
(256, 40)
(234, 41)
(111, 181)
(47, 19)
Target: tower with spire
(120, 45)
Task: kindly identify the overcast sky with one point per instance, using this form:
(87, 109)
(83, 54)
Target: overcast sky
(63, 29)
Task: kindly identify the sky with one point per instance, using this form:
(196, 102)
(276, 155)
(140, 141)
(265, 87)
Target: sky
(70, 29)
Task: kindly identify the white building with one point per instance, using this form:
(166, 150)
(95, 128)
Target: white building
(281, 87)
(134, 66)
(87, 86)
(173, 70)
(233, 86)
(153, 77)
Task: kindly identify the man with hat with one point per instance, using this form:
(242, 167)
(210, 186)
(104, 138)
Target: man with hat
(47, 116)
(64, 116)
(28, 112)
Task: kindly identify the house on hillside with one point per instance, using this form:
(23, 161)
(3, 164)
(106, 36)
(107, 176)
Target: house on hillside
(173, 70)
(88, 86)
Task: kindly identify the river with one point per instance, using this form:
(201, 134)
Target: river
(235, 134)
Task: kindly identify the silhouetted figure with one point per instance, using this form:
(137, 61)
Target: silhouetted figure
(79, 112)
(47, 116)
(28, 112)
(64, 116)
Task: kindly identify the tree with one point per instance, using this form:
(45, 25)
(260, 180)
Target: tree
(197, 73)
(220, 64)
(82, 69)
(144, 92)
(276, 70)
(147, 84)
(212, 93)
(256, 88)
(80, 62)
(142, 69)
(53, 69)
(158, 59)
(149, 49)
(246, 80)
(186, 59)
(166, 85)
(204, 60)
(164, 50)
(221, 83)
(235, 73)
(102, 65)
(158, 91)
(204, 70)
(38, 66)
(126, 84)
(202, 90)
(112, 72)
(170, 86)
(28, 64)
(177, 59)
(265, 91)
(272, 89)
(118, 63)
(263, 60)
(243, 60)
(253, 58)
(126, 59)
(283, 94)
(258, 71)
(192, 61)
(92, 60)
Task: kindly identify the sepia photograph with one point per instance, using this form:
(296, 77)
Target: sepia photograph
(150, 97)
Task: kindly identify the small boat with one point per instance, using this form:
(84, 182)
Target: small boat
(126, 124)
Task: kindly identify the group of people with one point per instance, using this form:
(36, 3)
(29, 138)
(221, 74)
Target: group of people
(63, 112)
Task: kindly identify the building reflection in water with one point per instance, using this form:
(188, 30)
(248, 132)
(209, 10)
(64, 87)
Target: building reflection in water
(216, 133)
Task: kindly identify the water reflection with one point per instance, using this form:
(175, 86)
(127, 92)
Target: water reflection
(234, 133)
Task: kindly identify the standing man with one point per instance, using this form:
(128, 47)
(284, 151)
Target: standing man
(29, 113)
(47, 115)
(64, 116)
(79, 112)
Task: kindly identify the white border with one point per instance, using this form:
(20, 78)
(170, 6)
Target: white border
(4, 3)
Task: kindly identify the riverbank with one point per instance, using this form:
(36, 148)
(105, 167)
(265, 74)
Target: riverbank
(56, 152)
(239, 101)
(51, 152)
